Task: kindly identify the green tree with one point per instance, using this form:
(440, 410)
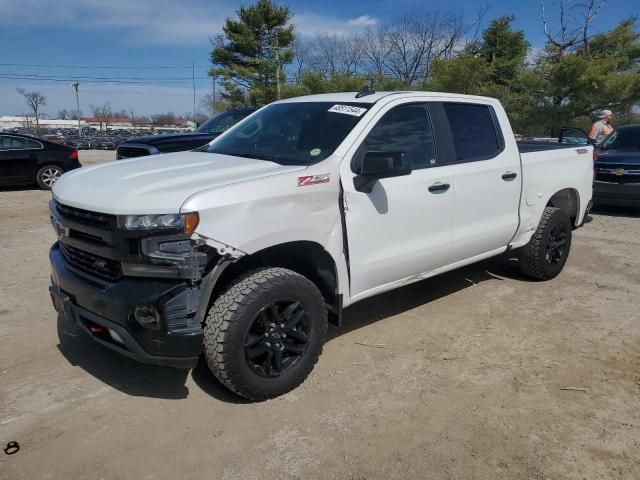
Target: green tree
(605, 73)
(493, 66)
(249, 57)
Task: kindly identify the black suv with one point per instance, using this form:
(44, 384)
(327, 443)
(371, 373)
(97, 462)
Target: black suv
(152, 144)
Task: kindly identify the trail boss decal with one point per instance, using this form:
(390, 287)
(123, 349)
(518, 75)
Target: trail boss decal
(348, 109)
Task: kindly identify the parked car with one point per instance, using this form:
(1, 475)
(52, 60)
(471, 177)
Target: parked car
(164, 143)
(244, 250)
(28, 160)
(617, 168)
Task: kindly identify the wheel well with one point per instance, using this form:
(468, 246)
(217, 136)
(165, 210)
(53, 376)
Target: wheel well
(306, 258)
(567, 200)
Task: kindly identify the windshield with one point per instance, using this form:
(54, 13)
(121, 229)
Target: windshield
(297, 133)
(625, 139)
(221, 122)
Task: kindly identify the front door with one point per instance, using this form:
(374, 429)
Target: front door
(401, 229)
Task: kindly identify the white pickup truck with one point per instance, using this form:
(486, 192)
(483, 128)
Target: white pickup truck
(245, 249)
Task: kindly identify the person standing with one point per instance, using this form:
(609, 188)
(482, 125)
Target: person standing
(602, 127)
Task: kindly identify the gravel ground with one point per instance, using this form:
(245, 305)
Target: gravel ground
(481, 374)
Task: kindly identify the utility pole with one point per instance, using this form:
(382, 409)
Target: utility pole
(213, 94)
(75, 86)
(193, 78)
(277, 66)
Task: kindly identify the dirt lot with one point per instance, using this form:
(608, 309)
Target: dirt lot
(469, 381)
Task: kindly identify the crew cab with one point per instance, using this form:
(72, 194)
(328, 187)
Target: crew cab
(154, 144)
(244, 251)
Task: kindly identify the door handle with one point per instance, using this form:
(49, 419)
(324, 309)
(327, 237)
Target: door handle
(508, 176)
(439, 187)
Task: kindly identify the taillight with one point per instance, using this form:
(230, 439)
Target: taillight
(74, 155)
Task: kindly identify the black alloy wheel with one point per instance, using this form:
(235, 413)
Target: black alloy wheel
(556, 244)
(277, 338)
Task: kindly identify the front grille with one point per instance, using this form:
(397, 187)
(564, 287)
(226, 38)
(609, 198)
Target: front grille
(131, 152)
(608, 175)
(94, 219)
(93, 264)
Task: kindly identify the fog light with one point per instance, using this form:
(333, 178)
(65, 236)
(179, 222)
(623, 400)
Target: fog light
(147, 316)
(115, 336)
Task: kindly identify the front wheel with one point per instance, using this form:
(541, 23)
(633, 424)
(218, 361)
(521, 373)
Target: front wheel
(48, 175)
(547, 251)
(264, 334)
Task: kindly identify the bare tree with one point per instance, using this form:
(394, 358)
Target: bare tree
(34, 101)
(338, 54)
(132, 117)
(102, 114)
(211, 106)
(415, 40)
(575, 18)
(375, 50)
(63, 115)
(303, 57)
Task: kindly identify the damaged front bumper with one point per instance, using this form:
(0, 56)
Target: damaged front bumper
(149, 320)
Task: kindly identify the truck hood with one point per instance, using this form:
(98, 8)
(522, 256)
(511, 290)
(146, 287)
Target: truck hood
(159, 140)
(157, 183)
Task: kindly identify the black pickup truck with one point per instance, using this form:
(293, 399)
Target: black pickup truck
(153, 144)
(617, 169)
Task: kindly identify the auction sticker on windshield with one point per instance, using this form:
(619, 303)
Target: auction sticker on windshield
(348, 109)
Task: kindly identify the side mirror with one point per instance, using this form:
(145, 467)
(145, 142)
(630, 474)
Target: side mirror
(377, 165)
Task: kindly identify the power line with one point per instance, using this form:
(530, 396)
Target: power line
(44, 78)
(117, 67)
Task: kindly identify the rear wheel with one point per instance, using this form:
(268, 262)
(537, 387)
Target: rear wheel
(263, 336)
(547, 251)
(48, 175)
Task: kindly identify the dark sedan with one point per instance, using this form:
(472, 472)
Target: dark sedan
(617, 169)
(26, 160)
(152, 144)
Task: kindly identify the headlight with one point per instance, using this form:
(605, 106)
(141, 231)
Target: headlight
(171, 221)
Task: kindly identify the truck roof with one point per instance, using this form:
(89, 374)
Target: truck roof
(350, 97)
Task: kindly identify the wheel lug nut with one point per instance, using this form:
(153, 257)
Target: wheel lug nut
(282, 325)
(284, 335)
(272, 325)
(266, 334)
(268, 344)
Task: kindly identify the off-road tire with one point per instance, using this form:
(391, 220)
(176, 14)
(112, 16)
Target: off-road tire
(532, 257)
(45, 176)
(231, 316)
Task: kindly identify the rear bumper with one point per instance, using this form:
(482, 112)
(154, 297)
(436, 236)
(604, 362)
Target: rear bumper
(616, 194)
(106, 312)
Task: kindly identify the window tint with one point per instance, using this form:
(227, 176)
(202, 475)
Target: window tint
(33, 144)
(12, 143)
(473, 131)
(404, 129)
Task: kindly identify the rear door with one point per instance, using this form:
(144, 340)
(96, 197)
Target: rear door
(403, 227)
(487, 176)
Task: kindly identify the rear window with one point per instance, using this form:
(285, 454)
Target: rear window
(12, 143)
(475, 134)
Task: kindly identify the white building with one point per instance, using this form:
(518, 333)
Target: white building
(7, 123)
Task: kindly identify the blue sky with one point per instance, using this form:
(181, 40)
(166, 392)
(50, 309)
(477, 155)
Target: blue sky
(140, 35)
